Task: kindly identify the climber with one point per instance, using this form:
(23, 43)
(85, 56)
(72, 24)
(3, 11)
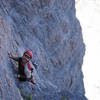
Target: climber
(24, 66)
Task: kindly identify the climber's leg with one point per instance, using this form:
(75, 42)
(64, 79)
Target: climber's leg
(31, 80)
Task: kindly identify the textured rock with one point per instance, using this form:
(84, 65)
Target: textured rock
(51, 30)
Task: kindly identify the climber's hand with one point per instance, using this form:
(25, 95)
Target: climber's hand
(35, 65)
(10, 55)
(31, 70)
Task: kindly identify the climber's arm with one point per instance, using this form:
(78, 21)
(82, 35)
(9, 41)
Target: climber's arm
(35, 64)
(12, 57)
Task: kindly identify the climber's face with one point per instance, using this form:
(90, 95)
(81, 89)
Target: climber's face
(26, 58)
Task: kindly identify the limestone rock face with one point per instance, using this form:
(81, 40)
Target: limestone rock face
(51, 30)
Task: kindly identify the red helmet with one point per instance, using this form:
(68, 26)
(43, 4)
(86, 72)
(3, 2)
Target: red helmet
(29, 53)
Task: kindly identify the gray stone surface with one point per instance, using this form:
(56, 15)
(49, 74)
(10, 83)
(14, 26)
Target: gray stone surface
(51, 30)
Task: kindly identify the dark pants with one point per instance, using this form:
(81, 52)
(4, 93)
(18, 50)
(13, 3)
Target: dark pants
(23, 78)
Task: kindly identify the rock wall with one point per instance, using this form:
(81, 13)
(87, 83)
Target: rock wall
(51, 30)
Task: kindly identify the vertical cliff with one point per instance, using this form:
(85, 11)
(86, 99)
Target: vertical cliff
(51, 30)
